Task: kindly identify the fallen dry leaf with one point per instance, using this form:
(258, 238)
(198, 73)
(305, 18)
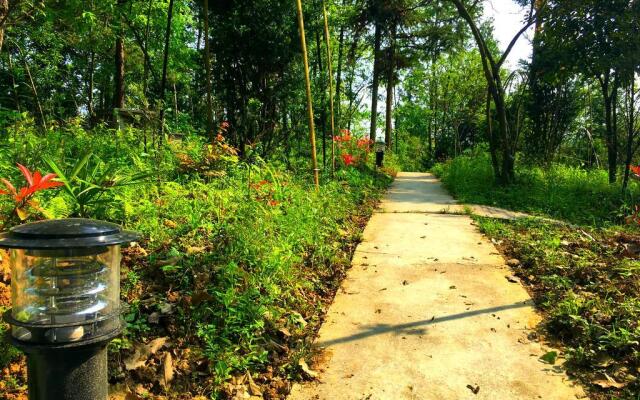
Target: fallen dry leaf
(308, 371)
(142, 353)
(474, 389)
(254, 389)
(195, 250)
(513, 279)
(170, 224)
(156, 344)
(167, 369)
(607, 383)
(169, 261)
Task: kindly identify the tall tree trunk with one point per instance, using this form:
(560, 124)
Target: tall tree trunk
(609, 91)
(146, 65)
(163, 84)
(492, 141)
(43, 120)
(323, 100)
(351, 62)
(90, 108)
(207, 67)
(14, 86)
(327, 39)
(339, 77)
(376, 81)
(630, 99)
(4, 14)
(390, 84)
(118, 94)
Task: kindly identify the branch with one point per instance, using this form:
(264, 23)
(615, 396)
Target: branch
(485, 54)
(514, 41)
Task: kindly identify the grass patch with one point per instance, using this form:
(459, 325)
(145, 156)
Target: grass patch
(586, 282)
(561, 192)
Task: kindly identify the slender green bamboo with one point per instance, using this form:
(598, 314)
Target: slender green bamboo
(312, 131)
(327, 40)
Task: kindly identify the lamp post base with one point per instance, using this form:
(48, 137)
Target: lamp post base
(78, 373)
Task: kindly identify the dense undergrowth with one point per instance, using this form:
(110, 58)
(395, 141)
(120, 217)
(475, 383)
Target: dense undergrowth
(569, 193)
(237, 263)
(586, 282)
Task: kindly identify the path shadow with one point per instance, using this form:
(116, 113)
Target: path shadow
(417, 327)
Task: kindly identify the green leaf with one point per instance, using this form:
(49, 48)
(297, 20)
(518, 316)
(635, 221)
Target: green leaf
(550, 357)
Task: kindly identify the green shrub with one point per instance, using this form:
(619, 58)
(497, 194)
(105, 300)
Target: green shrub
(569, 193)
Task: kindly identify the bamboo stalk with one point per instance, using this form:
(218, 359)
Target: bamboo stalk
(312, 132)
(327, 40)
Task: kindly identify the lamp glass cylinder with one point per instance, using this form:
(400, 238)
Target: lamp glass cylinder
(65, 295)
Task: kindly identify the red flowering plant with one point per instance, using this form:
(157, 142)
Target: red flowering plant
(214, 159)
(353, 151)
(272, 192)
(23, 197)
(634, 218)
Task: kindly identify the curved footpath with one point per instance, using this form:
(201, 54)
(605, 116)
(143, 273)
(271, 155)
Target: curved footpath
(427, 312)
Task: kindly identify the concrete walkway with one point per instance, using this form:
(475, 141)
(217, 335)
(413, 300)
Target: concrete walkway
(427, 312)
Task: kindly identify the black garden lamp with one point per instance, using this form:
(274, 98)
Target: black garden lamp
(380, 148)
(65, 293)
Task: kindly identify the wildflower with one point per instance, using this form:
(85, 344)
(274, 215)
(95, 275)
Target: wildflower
(635, 217)
(348, 159)
(220, 138)
(36, 182)
(364, 144)
(635, 169)
(274, 203)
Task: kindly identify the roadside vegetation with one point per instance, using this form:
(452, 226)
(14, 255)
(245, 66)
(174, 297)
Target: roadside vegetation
(238, 262)
(586, 282)
(570, 193)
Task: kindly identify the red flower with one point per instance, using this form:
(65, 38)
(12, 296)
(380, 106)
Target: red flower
(348, 159)
(364, 143)
(274, 203)
(635, 169)
(634, 218)
(36, 182)
(220, 138)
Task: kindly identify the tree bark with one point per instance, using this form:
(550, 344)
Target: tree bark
(207, 67)
(43, 120)
(90, 108)
(609, 93)
(376, 81)
(14, 85)
(630, 100)
(163, 84)
(119, 88)
(4, 14)
(118, 95)
(327, 39)
(390, 84)
(323, 101)
(339, 77)
(147, 61)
